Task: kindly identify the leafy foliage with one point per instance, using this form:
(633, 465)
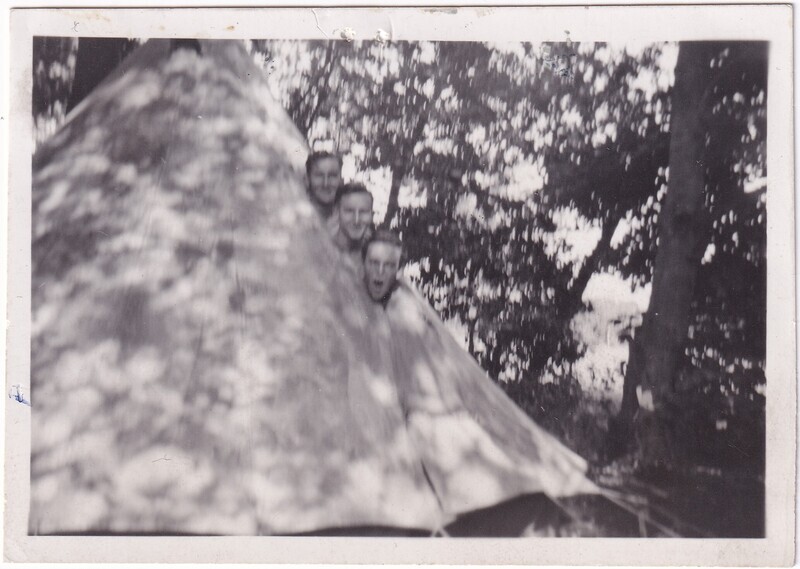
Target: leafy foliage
(593, 133)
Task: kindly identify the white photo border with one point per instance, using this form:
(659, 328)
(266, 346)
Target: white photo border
(638, 24)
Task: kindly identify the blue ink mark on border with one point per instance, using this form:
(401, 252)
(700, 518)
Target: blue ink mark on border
(18, 396)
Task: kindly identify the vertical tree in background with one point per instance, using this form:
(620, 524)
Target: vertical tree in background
(97, 57)
(656, 351)
(709, 140)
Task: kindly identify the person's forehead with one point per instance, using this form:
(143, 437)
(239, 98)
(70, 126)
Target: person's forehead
(382, 250)
(357, 198)
(328, 162)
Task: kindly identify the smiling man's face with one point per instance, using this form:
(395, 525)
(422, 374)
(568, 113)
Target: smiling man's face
(324, 178)
(355, 215)
(381, 264)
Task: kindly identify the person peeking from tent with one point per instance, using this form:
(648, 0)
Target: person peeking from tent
(382, 254)
(478, 449)
(409, 314)
(353, 210)
(323, 176)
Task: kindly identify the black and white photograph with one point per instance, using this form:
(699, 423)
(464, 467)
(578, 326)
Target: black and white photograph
(353, 283)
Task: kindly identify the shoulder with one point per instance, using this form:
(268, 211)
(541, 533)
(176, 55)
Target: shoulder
(408, 305)
(352, 260)
(332, 225)
(412, 294)
(401, 296)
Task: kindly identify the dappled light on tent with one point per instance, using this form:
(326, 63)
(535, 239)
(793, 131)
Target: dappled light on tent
(478, 447)
(190, 318)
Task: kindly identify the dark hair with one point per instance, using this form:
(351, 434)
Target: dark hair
(351, 188)
(315, 157)
(383, 235)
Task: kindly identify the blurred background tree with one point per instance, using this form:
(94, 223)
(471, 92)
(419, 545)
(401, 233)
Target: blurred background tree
(530, 184)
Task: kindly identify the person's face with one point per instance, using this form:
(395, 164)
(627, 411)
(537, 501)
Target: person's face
(355, 215)
(380, 269)
(324, 178)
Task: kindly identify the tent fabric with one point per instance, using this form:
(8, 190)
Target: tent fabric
(478, 447)
(190, 315)
(204, 361)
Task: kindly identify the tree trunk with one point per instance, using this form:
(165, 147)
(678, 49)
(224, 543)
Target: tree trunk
(590, 266)
(400, 167)
(656, 350)
(305, 122)
(96, 58)
(393, 206)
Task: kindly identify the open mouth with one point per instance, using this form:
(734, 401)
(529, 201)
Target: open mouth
(377, 285)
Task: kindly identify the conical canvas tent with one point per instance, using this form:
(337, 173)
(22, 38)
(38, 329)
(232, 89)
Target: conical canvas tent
(478, 447)
(202, 362)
